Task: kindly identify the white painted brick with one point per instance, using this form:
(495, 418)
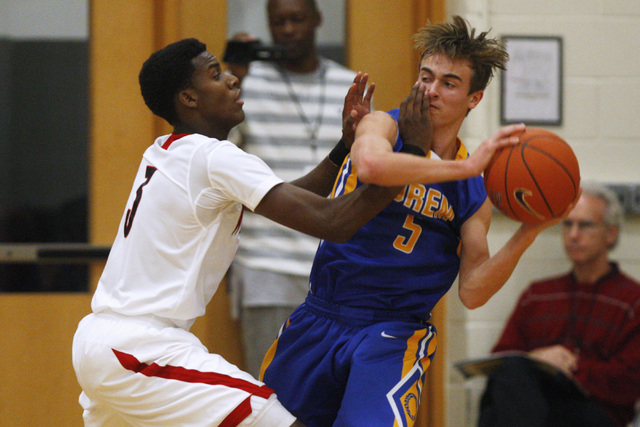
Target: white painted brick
(625, 8)
(581, 99)
(588, 52)
(613, 160)
(616, 122)
(541, 8)
(457, 340)
(601, 86)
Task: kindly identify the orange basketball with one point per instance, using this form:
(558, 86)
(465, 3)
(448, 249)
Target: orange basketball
(534, 180)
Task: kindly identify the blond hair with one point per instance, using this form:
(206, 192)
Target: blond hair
(457, 40)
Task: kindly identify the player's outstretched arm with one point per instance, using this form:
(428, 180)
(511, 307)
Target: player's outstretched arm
(376, 163)
(333, 219)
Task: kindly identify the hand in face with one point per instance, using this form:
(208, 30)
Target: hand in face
(414, 120)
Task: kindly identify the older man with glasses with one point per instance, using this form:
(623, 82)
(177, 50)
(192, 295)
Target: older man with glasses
(585, 322)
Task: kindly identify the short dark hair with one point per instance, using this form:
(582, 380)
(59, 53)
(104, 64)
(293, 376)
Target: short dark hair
(311, 3)
(457, 40)
(167, 72)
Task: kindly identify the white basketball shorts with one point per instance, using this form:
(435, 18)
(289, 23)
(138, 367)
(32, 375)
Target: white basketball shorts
(143, 371)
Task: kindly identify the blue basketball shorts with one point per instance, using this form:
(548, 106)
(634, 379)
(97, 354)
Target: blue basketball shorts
(340, 366)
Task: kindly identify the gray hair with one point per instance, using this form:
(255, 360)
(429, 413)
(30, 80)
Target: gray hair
(613, 214)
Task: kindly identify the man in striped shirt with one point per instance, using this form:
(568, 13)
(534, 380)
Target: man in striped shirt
(293, 113)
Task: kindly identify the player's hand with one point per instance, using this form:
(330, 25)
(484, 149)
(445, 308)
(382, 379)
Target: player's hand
(357, 104)
(506, 136)
(414, 120)
(537, 227)
(559, 356)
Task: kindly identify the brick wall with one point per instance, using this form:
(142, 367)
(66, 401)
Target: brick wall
(601, 122)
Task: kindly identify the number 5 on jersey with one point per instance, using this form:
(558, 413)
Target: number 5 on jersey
(406, 244)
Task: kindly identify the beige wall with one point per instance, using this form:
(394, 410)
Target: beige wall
(601, 83)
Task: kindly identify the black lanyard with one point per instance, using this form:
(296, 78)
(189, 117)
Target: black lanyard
(312, 128)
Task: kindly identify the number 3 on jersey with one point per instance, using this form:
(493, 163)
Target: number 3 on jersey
(131, 213)
(406, 244)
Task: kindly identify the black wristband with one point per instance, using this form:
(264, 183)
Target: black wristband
(338, 154)
(412, 149)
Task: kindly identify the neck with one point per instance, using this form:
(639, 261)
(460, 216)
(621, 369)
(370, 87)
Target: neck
(591, 272)
(308, 64)
(444, 143)
(202, 130)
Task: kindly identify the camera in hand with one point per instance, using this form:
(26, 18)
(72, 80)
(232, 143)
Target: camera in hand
(243, 52)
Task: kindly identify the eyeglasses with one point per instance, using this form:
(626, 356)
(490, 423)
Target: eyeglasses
(568, 224)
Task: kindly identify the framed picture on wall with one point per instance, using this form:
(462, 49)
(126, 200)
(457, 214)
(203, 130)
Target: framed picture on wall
(532, 83)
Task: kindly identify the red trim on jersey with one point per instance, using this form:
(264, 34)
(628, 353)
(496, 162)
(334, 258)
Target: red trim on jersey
(239, 224)
(238, 415)
(173, 137)
(190, 375)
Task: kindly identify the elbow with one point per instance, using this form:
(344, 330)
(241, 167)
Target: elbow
(471, 301)
(339, 227)
(340, 238)
(371, 169)
(337, 237)
(339, 233)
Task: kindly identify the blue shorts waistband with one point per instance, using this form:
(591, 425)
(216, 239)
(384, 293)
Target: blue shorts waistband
(356, 315)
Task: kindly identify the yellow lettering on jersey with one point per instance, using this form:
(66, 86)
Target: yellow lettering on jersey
(414, 198)
(406, 244)
(400, 197)
(444, 211)
(431, 203)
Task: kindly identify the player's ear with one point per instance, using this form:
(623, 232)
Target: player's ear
(188, 98)
(475, 98)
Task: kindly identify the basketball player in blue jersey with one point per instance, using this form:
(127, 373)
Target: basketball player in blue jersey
(356, 352)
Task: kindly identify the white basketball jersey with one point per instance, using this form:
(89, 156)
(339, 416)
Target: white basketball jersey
(179, 231)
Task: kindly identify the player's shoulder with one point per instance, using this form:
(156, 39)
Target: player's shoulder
(395, 113)
(187, 147)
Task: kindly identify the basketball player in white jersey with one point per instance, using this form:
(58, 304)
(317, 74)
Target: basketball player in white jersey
(134, 356)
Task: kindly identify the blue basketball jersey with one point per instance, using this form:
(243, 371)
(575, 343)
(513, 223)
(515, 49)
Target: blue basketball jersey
(407, 257)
